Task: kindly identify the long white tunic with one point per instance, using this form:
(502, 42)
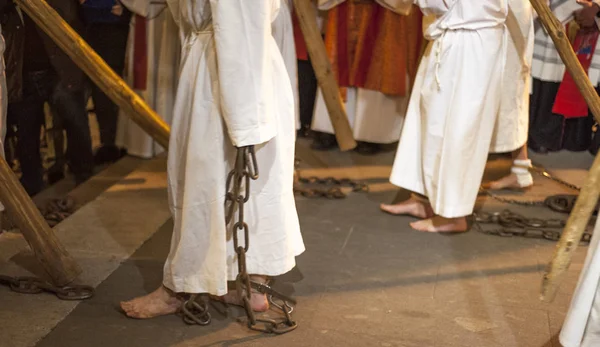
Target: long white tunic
(582, 325)
(233, 91)
(163, 54)
(283, 31)
(373, 116)
(454, 104)
(512, 125)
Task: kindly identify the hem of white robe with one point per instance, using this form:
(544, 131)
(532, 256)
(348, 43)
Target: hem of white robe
(183, 285)
(454, 211)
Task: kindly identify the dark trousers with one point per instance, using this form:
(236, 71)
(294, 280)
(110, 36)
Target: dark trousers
(307, 90)
(28, 116)
(110, 42)
(552, 131)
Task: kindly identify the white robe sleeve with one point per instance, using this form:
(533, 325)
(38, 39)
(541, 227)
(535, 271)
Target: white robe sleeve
(245, 47)
(139, 7)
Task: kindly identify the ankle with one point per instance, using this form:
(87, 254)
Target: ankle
(520, 169)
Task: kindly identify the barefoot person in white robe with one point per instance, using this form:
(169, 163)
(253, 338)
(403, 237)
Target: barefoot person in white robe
(512, 125)
(452, 113)
(233, 91)
(152, 69)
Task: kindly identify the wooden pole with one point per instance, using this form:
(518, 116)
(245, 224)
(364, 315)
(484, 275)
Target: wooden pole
(322, 66)
(59, 265)
(98, 71)
(588, 197)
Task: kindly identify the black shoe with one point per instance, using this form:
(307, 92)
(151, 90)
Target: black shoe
(324, 142)
(367, 148)
(108, 154)
(304, 131)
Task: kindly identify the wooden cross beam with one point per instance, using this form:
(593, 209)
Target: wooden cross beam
(588, 197)
(327, 81)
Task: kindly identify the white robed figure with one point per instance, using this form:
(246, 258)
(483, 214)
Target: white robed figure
(283, 32)
(452, 112)
(163, 52)
(512, 125)
(234, 91)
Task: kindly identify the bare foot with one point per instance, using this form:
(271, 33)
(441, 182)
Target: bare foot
(412, 207)
(440, 224)
(161, 302)
(258, 301)
(510, 182)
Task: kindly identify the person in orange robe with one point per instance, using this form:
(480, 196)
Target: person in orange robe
(374, 53)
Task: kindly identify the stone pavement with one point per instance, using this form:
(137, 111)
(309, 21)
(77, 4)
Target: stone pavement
(366, 279)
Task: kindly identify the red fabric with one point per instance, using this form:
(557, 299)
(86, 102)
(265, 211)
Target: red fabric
(140, 54)
(342, 46)
(569, 102)
(360, 77)
(301, 51)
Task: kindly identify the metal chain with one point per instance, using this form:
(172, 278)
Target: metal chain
(32, 285)
(554, 202)
(334, 186)
(237, 195)
(514, 224)
(333, 192)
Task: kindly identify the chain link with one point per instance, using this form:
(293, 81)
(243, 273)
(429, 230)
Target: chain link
(195, 309)
(32, 285)
(333, 186)
(513, 224)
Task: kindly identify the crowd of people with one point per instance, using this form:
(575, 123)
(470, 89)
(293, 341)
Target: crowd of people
(374, 52)
(133, 38)
(448, 80)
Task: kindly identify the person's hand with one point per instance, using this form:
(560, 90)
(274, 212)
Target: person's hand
(586, 17)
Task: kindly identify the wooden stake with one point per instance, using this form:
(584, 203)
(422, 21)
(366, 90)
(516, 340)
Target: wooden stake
(588, 197)
(322, 66)
(98, 71)
(59, 265)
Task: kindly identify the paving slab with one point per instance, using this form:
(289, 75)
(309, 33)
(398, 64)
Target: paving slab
(98, 244)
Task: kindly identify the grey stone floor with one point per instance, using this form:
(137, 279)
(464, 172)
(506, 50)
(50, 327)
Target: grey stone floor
(366, 279)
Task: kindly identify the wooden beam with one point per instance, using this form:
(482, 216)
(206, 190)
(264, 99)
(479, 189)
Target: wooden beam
(55, 260)
(327, 81)
(588, 197)
(98, 71)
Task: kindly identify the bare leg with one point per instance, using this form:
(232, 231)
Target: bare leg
(258, 301)
(519, 178)
(161, 302)
(439, 224)
(413, 207)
